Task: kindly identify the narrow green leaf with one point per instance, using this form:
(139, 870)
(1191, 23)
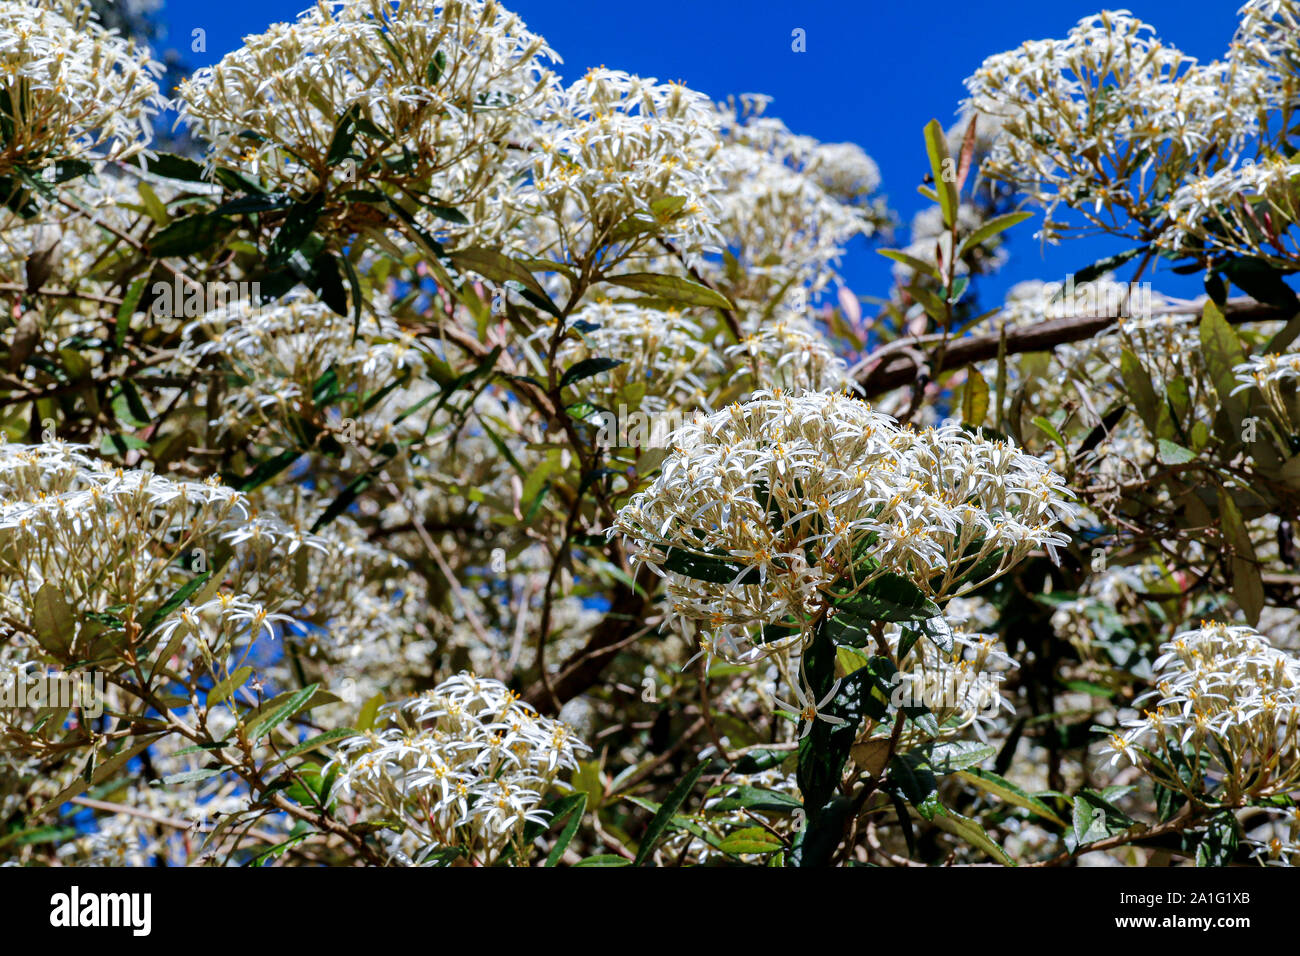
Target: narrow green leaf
(991, 228)
(265, 721)
(673, 288)
(659, 825)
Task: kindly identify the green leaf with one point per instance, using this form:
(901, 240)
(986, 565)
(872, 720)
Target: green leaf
(189, 235)
(267, 719)
(297, 226)
(65, 170)
(913, 263)
(1262, 282)
(750, 840)
(351, 491)
(1171, 453)
(102, 771)
(888, 597)
(225, 688)
(745, 797)
(325, 279)
(1050, 430)
(246, 205)
(1007, 791)
(974, 398)
(127, 309)
(171, 166)
(344, 133)
(913, 777)
(498, 267)
(369, 711)
(53, 620)
(587, 368)
(604, 859)
(574, 807)
(1095, 818)
(1108, 264)
(320, 740)
(673, 288)
(950, 821)
(449, 213)
(1247, 582)
(1103, 428)
(192, 776)
(954, 755)
(716, 570)
(990, 229)
(936, 147)
(433, 72)
(1138, 385)
(816, 843)
(659, 825)
(1222, 353)
(1218, 846)
(129, 407)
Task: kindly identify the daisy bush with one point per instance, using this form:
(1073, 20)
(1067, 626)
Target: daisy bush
(448, 459)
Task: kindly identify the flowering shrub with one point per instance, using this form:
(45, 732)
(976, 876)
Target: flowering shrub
(455, 464)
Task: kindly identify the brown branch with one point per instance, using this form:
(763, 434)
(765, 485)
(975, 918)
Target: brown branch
(885, 371)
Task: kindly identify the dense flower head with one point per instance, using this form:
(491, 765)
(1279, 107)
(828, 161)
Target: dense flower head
(789, 493)
(789, 352)
(960, 684)
(437, 90)
(622, 157)
(1268, 37)
(1234, 207)
(1084, 118)
(664, 358)
(279, 351)
(1227, 706)
(789, 204)
(461, 767)
(71, 89)
(1276, 376)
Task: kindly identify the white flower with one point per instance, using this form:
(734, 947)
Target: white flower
(463, 766)
(809, 710)
(84, 91)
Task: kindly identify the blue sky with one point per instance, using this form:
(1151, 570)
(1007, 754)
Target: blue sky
(874, 73)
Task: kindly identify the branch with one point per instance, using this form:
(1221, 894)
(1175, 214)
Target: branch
(883, 370)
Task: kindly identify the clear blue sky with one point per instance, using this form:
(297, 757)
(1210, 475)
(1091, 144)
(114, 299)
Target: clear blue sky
(874, 72)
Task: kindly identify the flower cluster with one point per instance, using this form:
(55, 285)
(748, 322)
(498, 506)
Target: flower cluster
(97, 535)
(460, 768)
(663, 357)
(960, 685)
(70, 88)
(621, 158)
(107, 546)
(1276, 377)
(762, 507)
(790, 353)
(1084, 117)
(789, 205)
(435, 91)
(1235, 208)
(280, 351)
(1227, 712)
